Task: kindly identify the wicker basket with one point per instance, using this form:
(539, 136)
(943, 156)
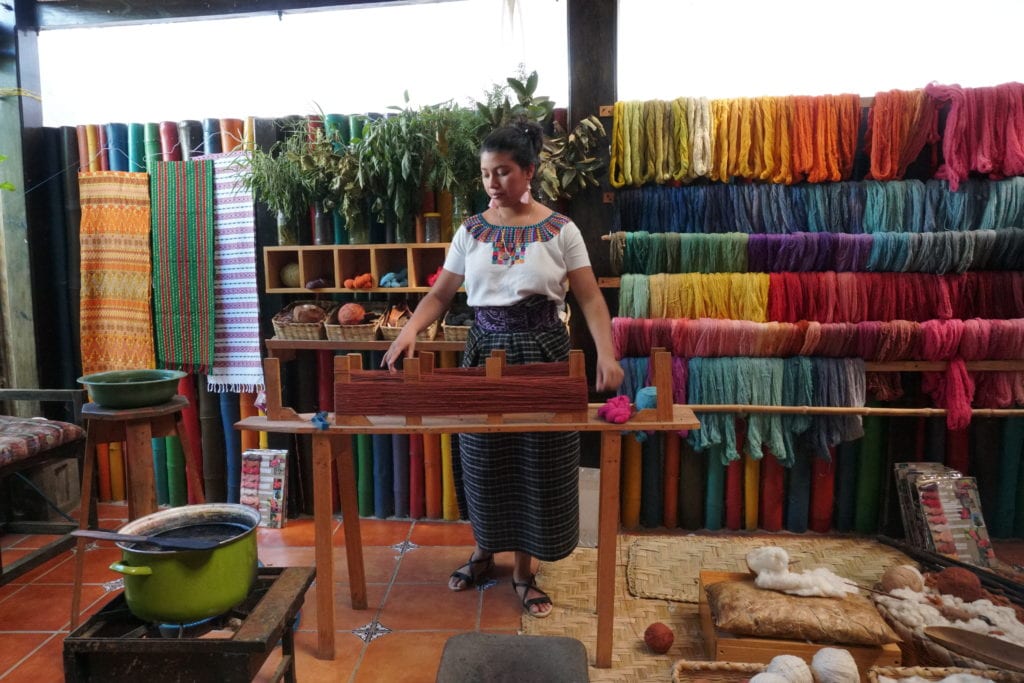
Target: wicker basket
(686, 670)
(286, 329)
(365, 332)
(455, 332)
(918, 650)
(391, 332)
(937, 673)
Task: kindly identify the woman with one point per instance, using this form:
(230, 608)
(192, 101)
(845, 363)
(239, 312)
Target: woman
(516, 258)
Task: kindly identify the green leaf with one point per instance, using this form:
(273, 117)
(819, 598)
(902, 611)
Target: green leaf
(531, 83)
(7, 186)
(521, 90)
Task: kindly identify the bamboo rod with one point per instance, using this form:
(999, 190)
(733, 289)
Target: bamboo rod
(848, 410)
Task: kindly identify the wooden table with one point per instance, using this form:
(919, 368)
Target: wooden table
(333, 447)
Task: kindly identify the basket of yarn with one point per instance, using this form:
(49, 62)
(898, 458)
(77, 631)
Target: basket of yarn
(394, 320)
(303, 320)
(456, 324)
(353, 322)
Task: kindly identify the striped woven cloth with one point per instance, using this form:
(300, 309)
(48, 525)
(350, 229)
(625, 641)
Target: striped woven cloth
(116, 313)
(237, 364)
(183, 305)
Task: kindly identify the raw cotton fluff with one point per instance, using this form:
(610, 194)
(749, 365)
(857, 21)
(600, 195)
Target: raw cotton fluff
(769, 677)
(915, 611)
(790, 667)
(771, 564)
(833, 665)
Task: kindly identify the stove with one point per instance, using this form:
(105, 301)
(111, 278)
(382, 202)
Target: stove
(113, 645)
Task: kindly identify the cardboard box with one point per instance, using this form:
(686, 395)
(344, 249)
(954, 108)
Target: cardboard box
(720, 645)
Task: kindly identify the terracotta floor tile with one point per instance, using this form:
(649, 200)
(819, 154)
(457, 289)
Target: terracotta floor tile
(96, 568)
(46, 567)
(46, 665)
(298, 532)
(403, 657)
(309, 668)
(430, 564)
(430, 607)
(10, 589)
(379, 564)
(501, 609)
(286, 556)
(345, 618)
(42, 607)
(11, 540)
(442, 533)
(16, 646)
(375, 532)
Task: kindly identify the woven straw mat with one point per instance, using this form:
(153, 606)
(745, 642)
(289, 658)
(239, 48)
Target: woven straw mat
(572, 585)
(667, 567)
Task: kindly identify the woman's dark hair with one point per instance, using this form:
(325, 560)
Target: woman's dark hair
(522, 140)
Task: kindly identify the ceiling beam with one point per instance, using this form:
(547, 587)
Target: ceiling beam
(52, 14)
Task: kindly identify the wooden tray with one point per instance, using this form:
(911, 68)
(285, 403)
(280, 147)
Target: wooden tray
(720, 645)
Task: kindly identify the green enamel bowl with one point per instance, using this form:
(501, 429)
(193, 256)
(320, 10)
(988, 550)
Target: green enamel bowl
(132, 388)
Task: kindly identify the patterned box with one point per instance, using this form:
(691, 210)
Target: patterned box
(264, 484)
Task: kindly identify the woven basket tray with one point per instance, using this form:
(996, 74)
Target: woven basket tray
(366, 332)
(391, 333)
(937, 673)
(455, 332)
(286, 329)
(686, 670)
(924, 652)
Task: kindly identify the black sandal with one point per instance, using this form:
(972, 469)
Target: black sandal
(544, 599)
(473, 577)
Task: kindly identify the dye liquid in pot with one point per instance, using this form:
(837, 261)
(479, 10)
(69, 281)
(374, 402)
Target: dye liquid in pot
(214, 531)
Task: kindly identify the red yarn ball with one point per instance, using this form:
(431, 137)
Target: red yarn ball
(659, 637)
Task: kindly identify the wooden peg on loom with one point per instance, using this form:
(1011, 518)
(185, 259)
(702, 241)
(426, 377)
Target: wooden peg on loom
(661, 360)
(577, 370)
(344, 366)
(272, 391)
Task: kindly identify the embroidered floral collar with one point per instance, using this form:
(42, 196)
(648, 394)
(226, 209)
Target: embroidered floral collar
(509, 242)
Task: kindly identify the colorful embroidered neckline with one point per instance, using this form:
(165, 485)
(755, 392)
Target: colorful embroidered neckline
(509, 242)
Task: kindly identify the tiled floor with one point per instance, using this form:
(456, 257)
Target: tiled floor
(399, 638)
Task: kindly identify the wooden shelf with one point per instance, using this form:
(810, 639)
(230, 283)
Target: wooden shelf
(336, 263)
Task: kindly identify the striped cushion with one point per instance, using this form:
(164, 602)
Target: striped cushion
(22, 438)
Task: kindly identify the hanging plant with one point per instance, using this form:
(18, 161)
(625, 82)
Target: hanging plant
(569, 160)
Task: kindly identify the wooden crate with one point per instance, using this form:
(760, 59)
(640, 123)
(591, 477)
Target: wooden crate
(720, 645)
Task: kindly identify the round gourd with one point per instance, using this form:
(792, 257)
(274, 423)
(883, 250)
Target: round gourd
(351, 314)
(290, 275)
(308, 313)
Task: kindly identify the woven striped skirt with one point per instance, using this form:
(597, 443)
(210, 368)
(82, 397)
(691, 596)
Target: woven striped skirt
(520, 491)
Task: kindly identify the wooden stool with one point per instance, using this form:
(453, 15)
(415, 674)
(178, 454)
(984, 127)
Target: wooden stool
(136, 427)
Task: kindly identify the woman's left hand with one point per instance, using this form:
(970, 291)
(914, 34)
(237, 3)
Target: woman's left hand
(609, 374)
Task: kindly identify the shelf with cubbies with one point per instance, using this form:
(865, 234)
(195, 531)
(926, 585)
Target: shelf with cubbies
(338, 262)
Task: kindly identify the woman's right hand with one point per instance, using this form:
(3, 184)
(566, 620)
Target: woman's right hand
(404, 346)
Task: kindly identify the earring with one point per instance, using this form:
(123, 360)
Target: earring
(525, 199)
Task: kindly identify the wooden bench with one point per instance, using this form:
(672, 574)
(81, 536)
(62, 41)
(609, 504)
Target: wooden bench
(27, 443)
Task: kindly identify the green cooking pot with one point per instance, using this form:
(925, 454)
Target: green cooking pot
(182, 586)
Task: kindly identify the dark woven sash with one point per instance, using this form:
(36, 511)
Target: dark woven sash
(532, 314)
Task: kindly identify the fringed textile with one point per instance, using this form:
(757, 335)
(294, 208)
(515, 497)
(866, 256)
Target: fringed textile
(237, 363)
(183, 263)
(116, 327)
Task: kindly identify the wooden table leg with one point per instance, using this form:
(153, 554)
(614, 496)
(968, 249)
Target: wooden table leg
(139, 485)
(345, 467)
(88, 465)
(607, 544)
(193, 459)
(322, 523)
